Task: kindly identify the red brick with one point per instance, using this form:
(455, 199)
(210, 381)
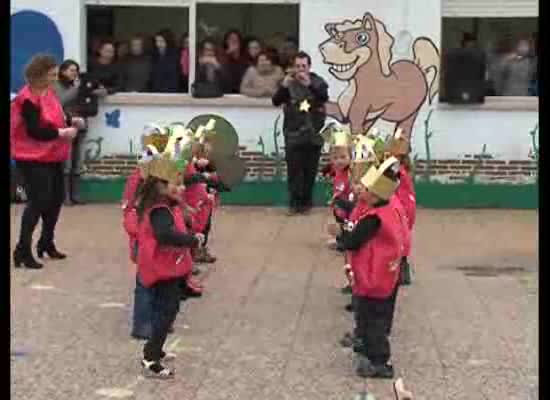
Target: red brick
(520, 162)
(495, 162)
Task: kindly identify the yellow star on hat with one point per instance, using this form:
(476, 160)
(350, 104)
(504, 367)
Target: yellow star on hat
(305, 106)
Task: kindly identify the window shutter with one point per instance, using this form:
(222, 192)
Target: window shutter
(489, 8)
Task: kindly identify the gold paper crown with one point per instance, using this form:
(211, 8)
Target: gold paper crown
(156, 136)
(337, 135)
(164, 168)
(399, 145)
(376, 182)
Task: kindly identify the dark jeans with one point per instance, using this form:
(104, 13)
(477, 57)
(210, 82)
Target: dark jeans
(165, 307)
(374, 319)
(302, 164)
(44, 187)
(143, 299)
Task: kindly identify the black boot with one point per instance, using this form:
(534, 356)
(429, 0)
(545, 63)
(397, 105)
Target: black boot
(22, 257)
(75, 190)
(50, 250)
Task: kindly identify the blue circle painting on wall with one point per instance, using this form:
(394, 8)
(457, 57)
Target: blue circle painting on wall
(31, 32)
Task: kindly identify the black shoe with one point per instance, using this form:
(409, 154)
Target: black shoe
(25, 259)
(292, 211)
(51, 251)
(140, 337)
(348, 340)
(154, 369)
(349, 307)
(366, 369)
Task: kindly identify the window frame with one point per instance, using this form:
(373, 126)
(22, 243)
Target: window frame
(191, 5)
(492, 103)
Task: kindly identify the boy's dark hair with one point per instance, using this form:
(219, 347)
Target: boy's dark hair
(303, 54)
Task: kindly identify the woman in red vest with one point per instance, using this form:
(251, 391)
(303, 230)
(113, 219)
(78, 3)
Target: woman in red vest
(40, 136)
(164, 256)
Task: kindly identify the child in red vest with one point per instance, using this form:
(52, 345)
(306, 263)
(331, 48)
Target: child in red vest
(197, 197)
(374, 239)
(399, 148)
(164, 257)
(340, 173)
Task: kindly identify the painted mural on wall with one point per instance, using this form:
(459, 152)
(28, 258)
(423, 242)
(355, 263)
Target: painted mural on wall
(31, 32)
(360, 52)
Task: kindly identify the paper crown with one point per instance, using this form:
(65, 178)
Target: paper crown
(336, 135)
(398, 144)
(376, 182)
(166, 169)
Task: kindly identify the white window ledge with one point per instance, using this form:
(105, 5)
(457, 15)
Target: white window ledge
(170, 99)
(497, 103)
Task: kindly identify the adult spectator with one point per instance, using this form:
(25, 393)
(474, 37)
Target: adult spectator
(303, 94)
(40, 139)
(518, 70)
(105, 70)
(66, 88)
(165, 76)
(136, 71)
(234, 63)
(253, 49)
(122, 51)
(184, 63)
(287, 52)
(208, 81)
(263, 78)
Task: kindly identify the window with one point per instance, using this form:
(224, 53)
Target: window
(143, 71)
(271, 26)
(509, 46)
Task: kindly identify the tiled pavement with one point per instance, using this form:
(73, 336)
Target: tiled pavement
(269, 323)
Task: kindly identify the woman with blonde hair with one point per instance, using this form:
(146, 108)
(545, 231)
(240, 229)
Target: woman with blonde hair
(40, 139)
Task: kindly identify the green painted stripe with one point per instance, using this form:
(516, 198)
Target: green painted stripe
(429, 195)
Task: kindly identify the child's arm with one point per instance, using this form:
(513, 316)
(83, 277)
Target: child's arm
(162, 222)
(361, 233)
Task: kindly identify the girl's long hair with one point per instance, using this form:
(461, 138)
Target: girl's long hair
(148, 195)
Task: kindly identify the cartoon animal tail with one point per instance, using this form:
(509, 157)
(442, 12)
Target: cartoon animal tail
(426, 56)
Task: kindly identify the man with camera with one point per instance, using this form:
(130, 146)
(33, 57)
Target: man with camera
(303, 95)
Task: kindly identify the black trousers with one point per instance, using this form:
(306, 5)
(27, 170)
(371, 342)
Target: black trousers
(302, 164)
(374, 319)
(44, 186)
(165, 307)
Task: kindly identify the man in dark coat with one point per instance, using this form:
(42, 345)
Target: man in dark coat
(303, 95)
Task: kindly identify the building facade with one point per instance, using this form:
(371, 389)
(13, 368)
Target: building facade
(465, 155)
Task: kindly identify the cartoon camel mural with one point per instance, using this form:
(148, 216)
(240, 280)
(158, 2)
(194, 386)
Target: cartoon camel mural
(360, 53)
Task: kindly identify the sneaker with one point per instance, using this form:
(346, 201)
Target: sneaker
(155, 370)
(366, 369)
(167, 356)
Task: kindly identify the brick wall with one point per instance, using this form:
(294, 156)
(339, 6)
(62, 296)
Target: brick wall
(452, 170)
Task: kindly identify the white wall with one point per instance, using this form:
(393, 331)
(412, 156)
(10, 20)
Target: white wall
(68, 15)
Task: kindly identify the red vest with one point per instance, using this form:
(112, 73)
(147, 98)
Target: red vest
(404, 223)
(25, 148)
(375, 265)
(161, 263)
(407, 196)
(129, 216)
(341, 188)
(196, 196)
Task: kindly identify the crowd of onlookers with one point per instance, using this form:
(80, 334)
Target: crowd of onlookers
(511, 65)
(160, 64)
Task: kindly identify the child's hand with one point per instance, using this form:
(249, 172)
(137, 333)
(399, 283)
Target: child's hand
(200, 238)
(349, 273)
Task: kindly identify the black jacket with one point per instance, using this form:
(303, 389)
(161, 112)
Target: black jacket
(165, 74)
(302, 127)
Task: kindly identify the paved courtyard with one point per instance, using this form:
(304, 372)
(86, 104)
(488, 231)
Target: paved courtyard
(269, 323)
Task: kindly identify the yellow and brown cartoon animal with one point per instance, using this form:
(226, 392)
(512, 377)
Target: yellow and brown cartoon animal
(360, 52)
